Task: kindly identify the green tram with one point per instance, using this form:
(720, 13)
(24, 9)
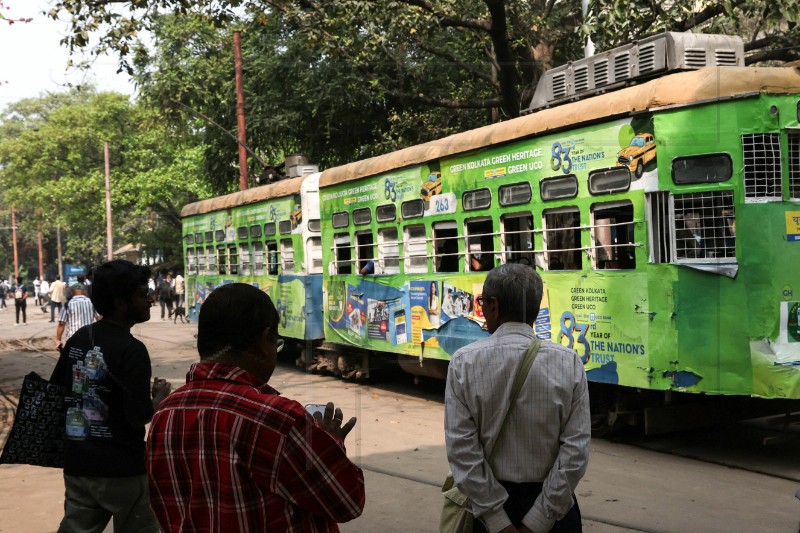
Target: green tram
(664, 219)
(264, 236)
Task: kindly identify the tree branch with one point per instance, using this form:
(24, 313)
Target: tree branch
(453, 59)
(450, 104)
(446, 19)
(708, 13)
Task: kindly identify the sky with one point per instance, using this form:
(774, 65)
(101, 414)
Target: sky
(33, 62)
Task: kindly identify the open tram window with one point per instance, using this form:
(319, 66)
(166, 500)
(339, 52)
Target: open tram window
(365, 250)
(211, 260)
(343, 250)
(258, 258)
(222, 260)
(480, 244)
(190, 261)
(201, 261)
(388, 251)
(287, 255)
(244, 259)
(705, 226)
(517, 238)
(416, 249)
(272, 258)
(445, 246)
(233, 258)
(612, 236)
(315, 255)
(562, 239)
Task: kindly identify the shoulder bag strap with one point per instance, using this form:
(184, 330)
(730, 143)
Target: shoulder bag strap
(522, 375)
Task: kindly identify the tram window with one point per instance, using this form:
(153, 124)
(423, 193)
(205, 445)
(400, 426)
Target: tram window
(386, 213)
(412, 208)
(762, 166)
(233, 258)
(416, 249)
(707, 168)
(340, 220)
(362, 216)
(222, 260)
(705, 226)
(609, 180)
(660, 227)
(612, 236)
(514, 194)
(244, 259)
(198, 238)
(445, 246)
(562, 239)
(258, 258)
(794, 164)
(219, 235)
(209, 236)
(255, 231)
(388, 251)
(517, 238)
(201, 261)
(559, 188)
(272, 258)
(313, 225)
(241, 232)
(478, 199)
(365, 249)
(211, 260)
(344, 253)
(315, 255)
(269, 229)
(189, 238)
(480, 244)
(190, 261)
(287, 255)
(285, 227)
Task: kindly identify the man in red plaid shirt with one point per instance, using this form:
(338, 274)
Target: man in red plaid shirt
(227, 453)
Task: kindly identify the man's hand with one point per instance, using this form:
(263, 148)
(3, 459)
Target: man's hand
(331, 422)
(160, 390)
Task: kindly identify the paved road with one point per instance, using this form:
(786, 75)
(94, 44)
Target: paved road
(400, 445)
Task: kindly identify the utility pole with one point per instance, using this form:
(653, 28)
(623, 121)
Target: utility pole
(58, 244)
(237, 56)
(14, 238)
(108, 204)
(39, 239)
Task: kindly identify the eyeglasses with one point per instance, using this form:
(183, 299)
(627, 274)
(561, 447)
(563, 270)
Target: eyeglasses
(279, 345)
(483, 299)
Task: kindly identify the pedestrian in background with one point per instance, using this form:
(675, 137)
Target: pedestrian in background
(106, 373)
(44, 292)
(58, 295)
(37, 294)
(3, 291)
(180, 291)
(544, 449)
(166, 295)
(21, 300)
(267, 465)
(77, 312)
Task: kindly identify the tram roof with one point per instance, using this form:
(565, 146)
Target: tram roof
(684, 88)
(249, 196)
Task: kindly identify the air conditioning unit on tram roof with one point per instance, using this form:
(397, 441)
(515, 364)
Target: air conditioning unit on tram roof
(633, 63)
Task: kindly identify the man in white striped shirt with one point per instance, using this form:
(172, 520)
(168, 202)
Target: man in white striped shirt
(545, 448)
(78, 312)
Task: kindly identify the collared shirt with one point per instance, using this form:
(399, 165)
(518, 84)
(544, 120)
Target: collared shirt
(227, 453)
(78, 312)
(547, 434)
(58, 291)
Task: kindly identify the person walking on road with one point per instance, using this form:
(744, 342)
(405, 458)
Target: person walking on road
(44, 291)
(180, 291)
(544, 449)
(267, 464)
(21, 300)
(3, 295)
(37, 294)
(78, 312)
(58, 295)
(166, 294)
(106, 373)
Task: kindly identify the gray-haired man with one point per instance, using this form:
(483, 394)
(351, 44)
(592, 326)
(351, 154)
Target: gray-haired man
(545, 449)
